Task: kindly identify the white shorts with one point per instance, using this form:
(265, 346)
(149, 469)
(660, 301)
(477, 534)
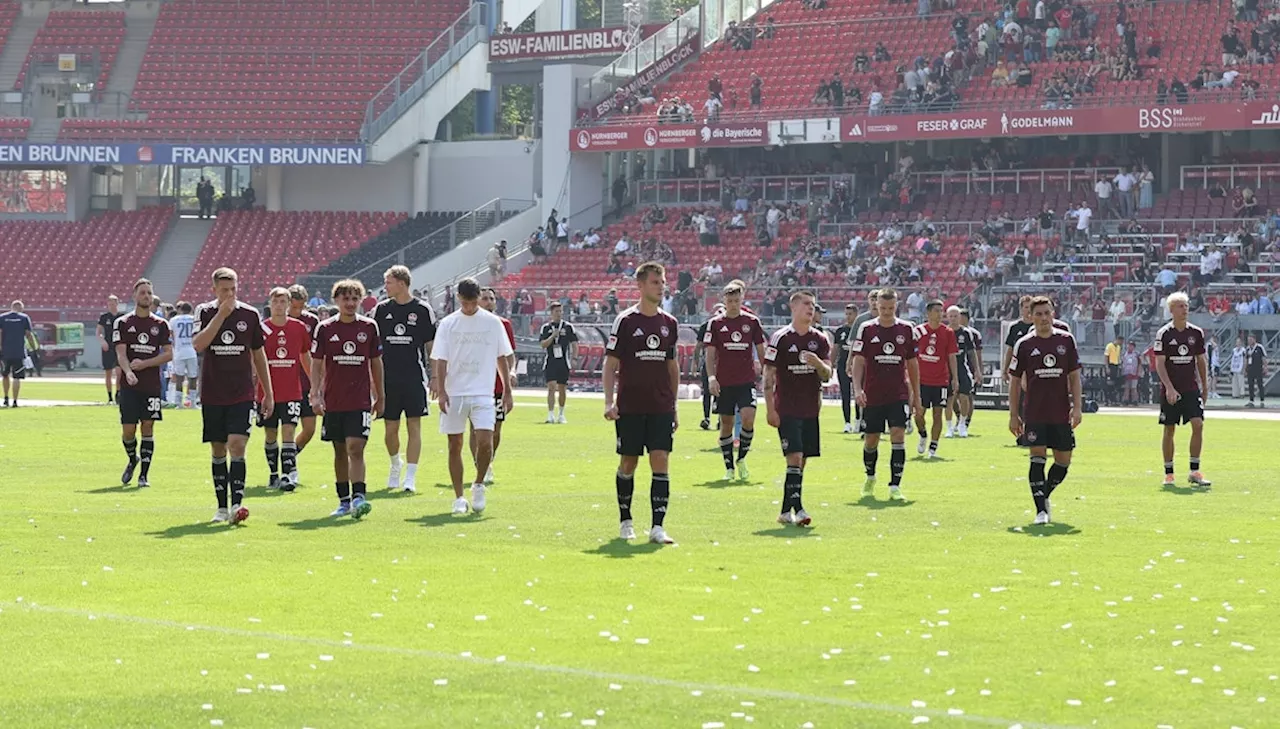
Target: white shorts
(476, 409)
(189, 367)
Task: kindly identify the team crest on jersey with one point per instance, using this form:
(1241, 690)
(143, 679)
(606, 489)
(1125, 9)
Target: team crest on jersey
(155, 331)
(746, 328)
(1182, 349)
(653, 342)
(1192, 339)
(901, 339)
(736, 336)
(400, 329)
(1062, 349)
(282, 353)
(665, 331)
(362, 337)
(413, 318)
(228, 337)
(143, 338)
(1050, 360)
(813, 346)
(930, 350)
(242, 327)
(349, 347)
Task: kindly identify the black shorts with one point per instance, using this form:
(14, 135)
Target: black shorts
(499, 412)
(337, 427)
(734, 398)
(286, 413)
(1186, 409)
(307, 410)
(640, 433)
(933, 396)
(409, 401)
(1054, 436)
(800, 435)
(135, 407)
(109, 359)
(880, 418)
(965, 384)
(556, 371)
(15, 368)
(222, 421)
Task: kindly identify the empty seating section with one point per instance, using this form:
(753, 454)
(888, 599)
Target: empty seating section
(811, 45)
(67, 265)
(388, 243)
(14, 129)
(287, 70)
(273, 249)
(91, 35)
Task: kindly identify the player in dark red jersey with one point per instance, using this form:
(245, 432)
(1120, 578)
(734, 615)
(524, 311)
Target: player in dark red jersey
(797, 363)
(287, 342)
(489, 302)
(886, 385)
(347, 391)
(1183, 366)
(229, 333)
(936, 351)
(298, 310)
(1046, 366)
(142, 345)
(734, 343)
(641, 362)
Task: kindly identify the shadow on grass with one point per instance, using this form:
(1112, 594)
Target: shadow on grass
(622, 549)
(1056, 529)
(323, 522)
(259, 492)
(117, 489)
(870, 502)
(720, 483)
(381, 494)
(1184, 490)
(202, 528)
(927, 459)
(438, 520)
(785, 532)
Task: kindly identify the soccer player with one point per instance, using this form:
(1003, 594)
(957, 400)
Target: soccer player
(471, 349)
(734, 343)
(288, 345)
(1017, 331)
(1256, 371)
(560, 340)
(229, 334)
(16, 337)
(843, 335)
(700, 354)
(1183, 367)
(936, 352)
(886, 384)
(298, 310)
(1046, 365)
(347, 391)
(641, 362)
(873, 298)
(106, 320)
(969, 370)
(797, 363)
(489, 301)
(142, 344)
(186, 366)
(407, 327)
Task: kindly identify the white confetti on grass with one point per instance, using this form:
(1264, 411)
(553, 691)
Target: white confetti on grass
(713, 725)
(263, 656)
(326, 658)
(441, 682)
(753, 668)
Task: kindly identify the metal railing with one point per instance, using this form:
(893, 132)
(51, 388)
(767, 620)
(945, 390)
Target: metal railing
(780, 188)
(993, 181)
(487, 216)
(603, 83)
(1230, 175)
(411, 84)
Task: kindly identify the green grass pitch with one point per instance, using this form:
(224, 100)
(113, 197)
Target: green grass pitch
(1142, 607)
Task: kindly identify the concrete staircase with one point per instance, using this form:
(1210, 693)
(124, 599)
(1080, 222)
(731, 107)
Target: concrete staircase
(21, 36)
(174, 259)
(137, 35)
(44, 129)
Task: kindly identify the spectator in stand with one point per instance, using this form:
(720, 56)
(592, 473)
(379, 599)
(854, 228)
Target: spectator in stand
(1082, 215)
(1178, 90)
(1225, 81)
(876, 105)
(756, 92)
(1000, 75)
(1024, 77)
(1103, 189)
(861, 62)
(538, 251)
(1232, 47)
(623, 246)
(1248, 204)
(881, 54)
(1125, 191)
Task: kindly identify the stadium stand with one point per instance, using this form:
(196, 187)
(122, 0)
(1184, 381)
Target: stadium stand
(269, 249)
(215, 70)
(14, 130)
(94, 36)
(65, 265)
(389, 242)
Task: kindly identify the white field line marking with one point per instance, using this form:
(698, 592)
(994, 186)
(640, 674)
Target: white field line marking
(550, 669)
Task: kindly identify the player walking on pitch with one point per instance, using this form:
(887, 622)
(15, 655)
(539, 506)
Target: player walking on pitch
(186, 365)
(407, 327)
(489, 302)
(1183, 366)
(842, 336)
(142, 345)
(298, 310)
(560, 340)
(936, 351)
(471, 349)
(287, 342)
(734, 343)
(641, 362)
(969, 366)
(1046, 367)
(229, 333)
(16, 335)
(106, 321)
(347, 391)
(797, 362)
(886, 385)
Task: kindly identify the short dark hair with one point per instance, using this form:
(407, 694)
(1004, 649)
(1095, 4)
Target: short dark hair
(935, 304)
(298, 292)
(348, 286)
(1040, 301)
(184, 307)
(140, 283)
(644, 269)
(887, 295)
(490, 290)
(850, 306)
(469, 289)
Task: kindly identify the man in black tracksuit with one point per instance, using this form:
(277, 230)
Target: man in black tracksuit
(1255, 370)
(843, 335)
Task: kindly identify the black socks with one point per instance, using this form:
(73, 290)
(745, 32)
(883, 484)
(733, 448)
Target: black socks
(726, 452)
(791, 489)
(625, 486)
(897, 461)
(744, 443)
(148, 450)
(236, 474)
(220, 481)
(659, 493)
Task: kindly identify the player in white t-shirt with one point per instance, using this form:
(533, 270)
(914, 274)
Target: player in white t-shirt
(185, 363)
(471, 349)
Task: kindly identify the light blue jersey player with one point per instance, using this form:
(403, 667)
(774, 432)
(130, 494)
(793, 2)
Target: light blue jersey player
(186, 365)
